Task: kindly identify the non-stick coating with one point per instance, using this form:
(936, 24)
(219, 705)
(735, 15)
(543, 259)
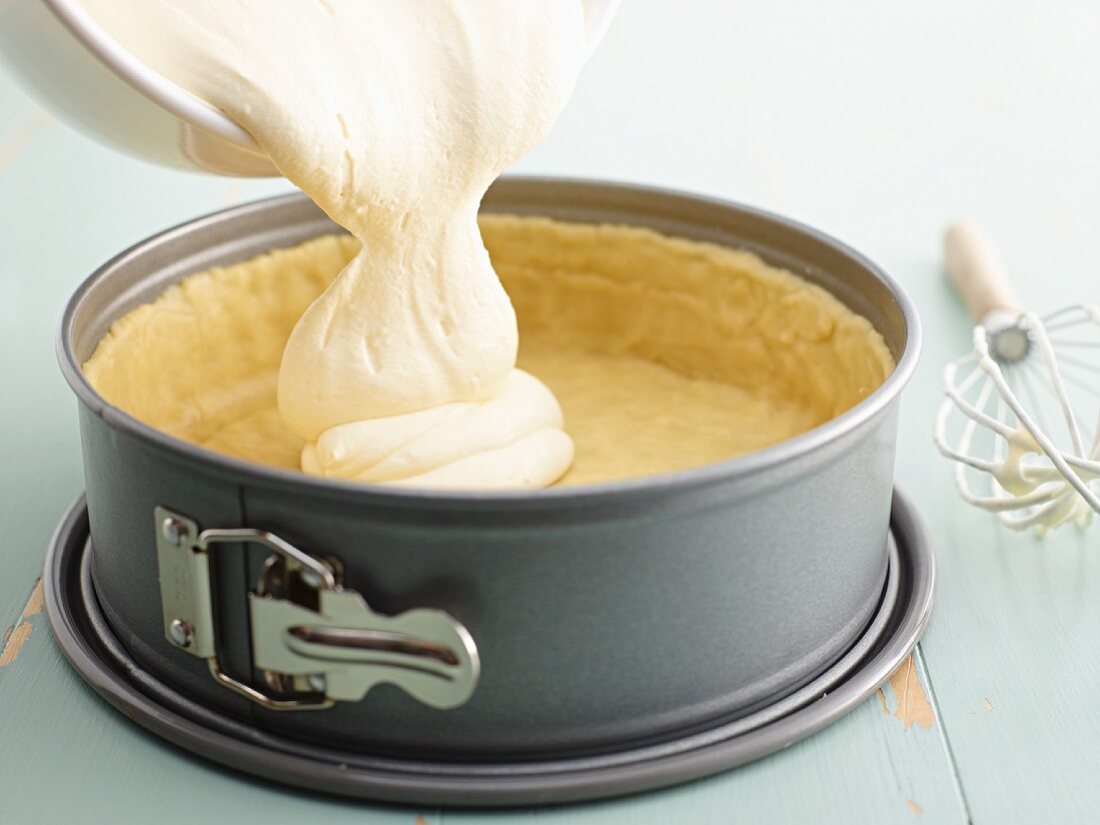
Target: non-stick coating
(606, 615)
(89, 643)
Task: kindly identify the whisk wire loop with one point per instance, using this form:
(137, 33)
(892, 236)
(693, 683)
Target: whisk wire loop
(1021, 471)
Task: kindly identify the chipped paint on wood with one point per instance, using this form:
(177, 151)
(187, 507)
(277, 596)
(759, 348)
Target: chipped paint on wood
(22, 138)
(34, 603)
(18, 634)
(914, 807)
(987, 705)
(232, 195)
(910, 700)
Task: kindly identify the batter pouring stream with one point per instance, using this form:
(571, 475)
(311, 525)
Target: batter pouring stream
(394, 116)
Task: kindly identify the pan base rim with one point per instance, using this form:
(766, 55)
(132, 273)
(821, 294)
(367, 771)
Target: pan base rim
(101, 661)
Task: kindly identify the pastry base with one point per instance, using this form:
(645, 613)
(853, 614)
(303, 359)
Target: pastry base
(665, 354)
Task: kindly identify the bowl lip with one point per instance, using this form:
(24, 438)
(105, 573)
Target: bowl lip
(167, 94)
(740, 467)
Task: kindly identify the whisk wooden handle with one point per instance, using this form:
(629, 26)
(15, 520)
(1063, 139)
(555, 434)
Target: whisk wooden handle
(977, 271)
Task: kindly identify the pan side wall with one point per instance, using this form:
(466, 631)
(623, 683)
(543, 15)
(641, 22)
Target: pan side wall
(597, 625)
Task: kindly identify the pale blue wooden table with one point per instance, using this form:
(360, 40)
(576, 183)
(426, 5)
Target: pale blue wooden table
(876, 120)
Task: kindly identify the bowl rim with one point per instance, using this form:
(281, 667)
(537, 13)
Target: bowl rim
(167, 94)
(798, 447)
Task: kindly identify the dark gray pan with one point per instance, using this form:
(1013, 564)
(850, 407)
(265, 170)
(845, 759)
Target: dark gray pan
(607, 617)
(89, 643)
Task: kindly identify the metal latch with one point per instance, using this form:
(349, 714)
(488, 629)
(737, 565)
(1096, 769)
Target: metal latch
(315, 642)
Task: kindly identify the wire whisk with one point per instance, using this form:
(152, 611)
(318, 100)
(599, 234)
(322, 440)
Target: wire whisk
(1022, 414)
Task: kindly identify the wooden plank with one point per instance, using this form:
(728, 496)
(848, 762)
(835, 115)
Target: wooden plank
(66, 753)
(866, 768)
(1010, 646)
(66, 756)
(1015, 621)
(882, 122)
(66, 206)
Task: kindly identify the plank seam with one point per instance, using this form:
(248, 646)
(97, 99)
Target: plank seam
(952, 763)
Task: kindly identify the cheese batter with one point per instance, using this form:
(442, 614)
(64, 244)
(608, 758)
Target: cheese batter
(394, 116)
(665, 354)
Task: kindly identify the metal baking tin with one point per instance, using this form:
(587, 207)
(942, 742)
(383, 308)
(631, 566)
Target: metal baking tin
(603, 618)
(89, 643)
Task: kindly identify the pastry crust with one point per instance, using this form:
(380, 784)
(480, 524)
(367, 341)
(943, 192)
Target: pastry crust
(664, 353)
